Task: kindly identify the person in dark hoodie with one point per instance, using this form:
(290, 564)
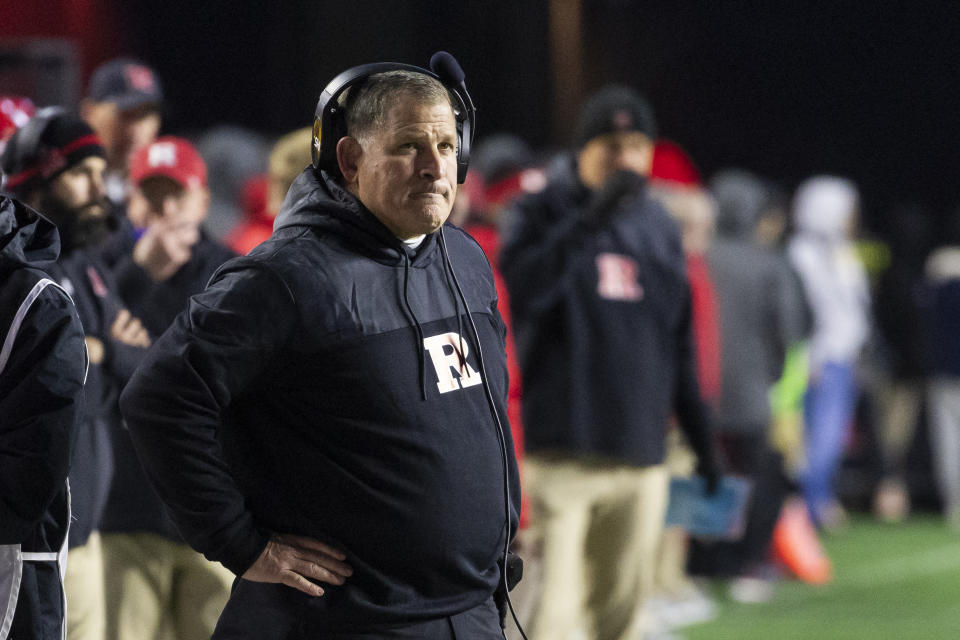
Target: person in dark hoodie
(42, 369)
(321, 420)
(601, 307)
(154, 581)
(55, 164)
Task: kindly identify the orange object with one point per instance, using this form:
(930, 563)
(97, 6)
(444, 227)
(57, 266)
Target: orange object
(796, 545)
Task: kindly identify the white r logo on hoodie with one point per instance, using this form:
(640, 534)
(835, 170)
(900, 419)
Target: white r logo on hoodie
(445, 353)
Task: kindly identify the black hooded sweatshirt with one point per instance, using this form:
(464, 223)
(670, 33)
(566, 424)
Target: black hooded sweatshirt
(601, 313)
(314, 388)
(42, 367)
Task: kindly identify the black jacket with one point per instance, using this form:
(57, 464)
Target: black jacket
(42, 366)
(297, 395)
(601, 314)
(91, 285)
(132, 504)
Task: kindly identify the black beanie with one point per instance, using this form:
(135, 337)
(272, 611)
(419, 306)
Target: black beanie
(30, 162)
(612, 109)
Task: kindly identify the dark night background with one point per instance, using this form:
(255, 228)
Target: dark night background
(866, 90)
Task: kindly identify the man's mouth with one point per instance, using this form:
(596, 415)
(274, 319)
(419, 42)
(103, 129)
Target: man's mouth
(430, 194)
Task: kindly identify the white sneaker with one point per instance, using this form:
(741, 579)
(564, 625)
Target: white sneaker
(748, 590)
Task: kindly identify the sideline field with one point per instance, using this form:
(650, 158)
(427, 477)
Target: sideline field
(897, 582)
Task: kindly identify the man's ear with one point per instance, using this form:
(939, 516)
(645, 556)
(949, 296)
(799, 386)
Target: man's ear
(348, 158)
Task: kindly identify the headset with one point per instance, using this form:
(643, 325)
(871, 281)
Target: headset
(330, 123)
(24, 146)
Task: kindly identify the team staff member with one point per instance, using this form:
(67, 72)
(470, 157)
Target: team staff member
(318, 420)
(601, 307)
(55, 164)
(42, 367)
(122, 106)
(155, 583)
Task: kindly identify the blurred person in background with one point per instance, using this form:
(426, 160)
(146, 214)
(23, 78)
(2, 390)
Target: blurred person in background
(502, 170)
(675, 182)
(56, 164)
(601, 307)
(15, 111)
(174, 256)
(288, 157)
(758, 320)
(157, 586)
(122, 106)
(898, 393)
(235, 157)
(825, 210)
(43, 363)
(942, 309)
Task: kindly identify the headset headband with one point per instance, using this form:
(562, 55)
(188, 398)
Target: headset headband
(329, 121)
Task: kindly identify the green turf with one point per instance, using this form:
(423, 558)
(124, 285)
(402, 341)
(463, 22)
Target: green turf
(890, 581)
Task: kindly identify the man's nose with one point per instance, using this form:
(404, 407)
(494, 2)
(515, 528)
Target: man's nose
(170, 207)
(431, 164)
(98, 187)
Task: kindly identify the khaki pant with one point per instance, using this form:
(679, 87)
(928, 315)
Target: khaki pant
(598, 525)
(84, 588)
(158, 589)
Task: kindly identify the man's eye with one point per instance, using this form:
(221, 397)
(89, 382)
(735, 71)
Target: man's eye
(446, 146)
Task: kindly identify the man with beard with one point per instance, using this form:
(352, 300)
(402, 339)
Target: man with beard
(55, 164)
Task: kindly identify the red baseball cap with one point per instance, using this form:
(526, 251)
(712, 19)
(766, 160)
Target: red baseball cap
(171, 157)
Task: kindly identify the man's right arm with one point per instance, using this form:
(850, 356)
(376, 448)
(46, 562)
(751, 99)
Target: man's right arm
(173, 403)
(538, 257)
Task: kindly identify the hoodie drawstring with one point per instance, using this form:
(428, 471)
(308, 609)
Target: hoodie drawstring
(448, 271)
(421, 364)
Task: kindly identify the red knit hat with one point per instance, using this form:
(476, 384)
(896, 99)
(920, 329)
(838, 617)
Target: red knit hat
(671, 164)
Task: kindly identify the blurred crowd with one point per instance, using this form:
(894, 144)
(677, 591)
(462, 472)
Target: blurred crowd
(777, 334)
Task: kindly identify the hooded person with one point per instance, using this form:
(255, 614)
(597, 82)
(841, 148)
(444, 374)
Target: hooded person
(155, 581)
(835, 283)
(42, 370)
(756, 314)
(325, 419)
(55, 164)
(601, 308)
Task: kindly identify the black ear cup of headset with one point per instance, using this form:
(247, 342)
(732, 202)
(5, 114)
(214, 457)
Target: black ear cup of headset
(329, 120)
(24, 145)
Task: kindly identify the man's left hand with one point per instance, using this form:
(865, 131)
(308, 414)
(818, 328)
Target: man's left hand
(297, 561)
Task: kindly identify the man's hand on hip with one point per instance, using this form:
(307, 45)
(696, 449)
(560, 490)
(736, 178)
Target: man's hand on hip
(297, 560)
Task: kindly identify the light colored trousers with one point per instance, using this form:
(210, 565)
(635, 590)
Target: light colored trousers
(84, 589)
(598, 525)
(159, 589)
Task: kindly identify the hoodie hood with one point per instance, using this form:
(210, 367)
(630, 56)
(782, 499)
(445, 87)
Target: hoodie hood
(27, 239)
(741, 197)
(824, 206)
(318, 201)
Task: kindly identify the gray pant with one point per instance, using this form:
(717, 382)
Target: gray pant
(943, 395)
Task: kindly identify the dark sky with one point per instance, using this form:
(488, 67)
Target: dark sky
(863, 89)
